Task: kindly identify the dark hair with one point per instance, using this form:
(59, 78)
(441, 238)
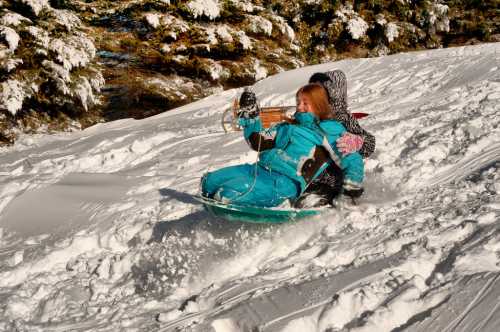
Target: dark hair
(319, 78)
(319, 98)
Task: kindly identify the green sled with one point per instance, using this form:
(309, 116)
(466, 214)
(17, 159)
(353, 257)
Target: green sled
(254, 214)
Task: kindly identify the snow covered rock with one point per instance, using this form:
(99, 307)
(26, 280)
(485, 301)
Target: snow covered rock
(207, 8)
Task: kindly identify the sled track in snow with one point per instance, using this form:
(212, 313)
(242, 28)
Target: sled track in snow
(480, 160)
(255, 307)
(481, 295)
(472, 307)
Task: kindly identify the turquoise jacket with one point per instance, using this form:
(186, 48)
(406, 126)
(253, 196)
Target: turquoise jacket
(296, 143)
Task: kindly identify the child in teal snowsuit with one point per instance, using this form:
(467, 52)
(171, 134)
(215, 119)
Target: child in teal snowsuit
(294, 155)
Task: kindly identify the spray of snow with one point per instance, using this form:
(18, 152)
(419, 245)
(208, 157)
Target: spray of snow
(41, 36)
(216, 70)
(284, 28)
(66, 19)
(260, 71)
(246, 6)
(85, 93)
(10, 64)
(438, 17)
(211, 36)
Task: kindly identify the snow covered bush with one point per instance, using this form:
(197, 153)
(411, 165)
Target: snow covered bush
(46, 61)
(259, 25)
(391, 31)
(357, 27)
(207, 8)
(354, 24)
(47, 47)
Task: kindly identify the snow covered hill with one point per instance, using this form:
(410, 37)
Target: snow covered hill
(99, 231)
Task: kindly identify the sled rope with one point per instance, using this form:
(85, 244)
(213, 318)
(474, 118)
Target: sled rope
(254, 175)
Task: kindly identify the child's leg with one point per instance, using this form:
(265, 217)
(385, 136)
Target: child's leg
(353, 175)
(267, 190)
(211, 182)
(354, 168)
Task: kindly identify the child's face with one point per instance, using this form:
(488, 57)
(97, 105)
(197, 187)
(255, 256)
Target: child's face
(304, 104)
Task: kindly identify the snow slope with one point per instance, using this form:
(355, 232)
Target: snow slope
(99, 230)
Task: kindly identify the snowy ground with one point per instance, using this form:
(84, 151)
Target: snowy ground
(99, 230)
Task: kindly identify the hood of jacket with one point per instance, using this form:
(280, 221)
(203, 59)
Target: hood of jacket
(337, 90)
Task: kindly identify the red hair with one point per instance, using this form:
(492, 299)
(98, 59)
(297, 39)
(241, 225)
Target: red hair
(319, 99)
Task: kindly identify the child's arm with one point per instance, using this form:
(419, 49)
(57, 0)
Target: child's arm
(353, 168)
(351, 164)
(255, 135)
(352, 126)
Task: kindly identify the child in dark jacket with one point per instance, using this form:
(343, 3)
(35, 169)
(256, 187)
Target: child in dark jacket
(330, 183)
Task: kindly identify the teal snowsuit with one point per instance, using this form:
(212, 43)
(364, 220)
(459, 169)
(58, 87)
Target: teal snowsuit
(278, 173)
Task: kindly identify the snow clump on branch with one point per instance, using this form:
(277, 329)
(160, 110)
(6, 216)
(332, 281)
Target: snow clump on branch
(10, 36)
(259, 24)
(355, 25)
(58, 72)
(391, 31)
(208, 8)
(36, 6)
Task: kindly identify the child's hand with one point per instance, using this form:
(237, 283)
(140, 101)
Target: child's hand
(248, 112)
(248, 105)
(349, 143)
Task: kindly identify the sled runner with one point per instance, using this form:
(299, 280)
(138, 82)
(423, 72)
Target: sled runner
(253, 214)
(269, 116)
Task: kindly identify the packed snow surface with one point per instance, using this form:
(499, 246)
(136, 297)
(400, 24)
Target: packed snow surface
(100, 231)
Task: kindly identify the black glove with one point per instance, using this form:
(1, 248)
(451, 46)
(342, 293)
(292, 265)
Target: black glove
(248, 105)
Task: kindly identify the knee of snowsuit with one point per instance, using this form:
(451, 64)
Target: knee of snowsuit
(249, 184)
